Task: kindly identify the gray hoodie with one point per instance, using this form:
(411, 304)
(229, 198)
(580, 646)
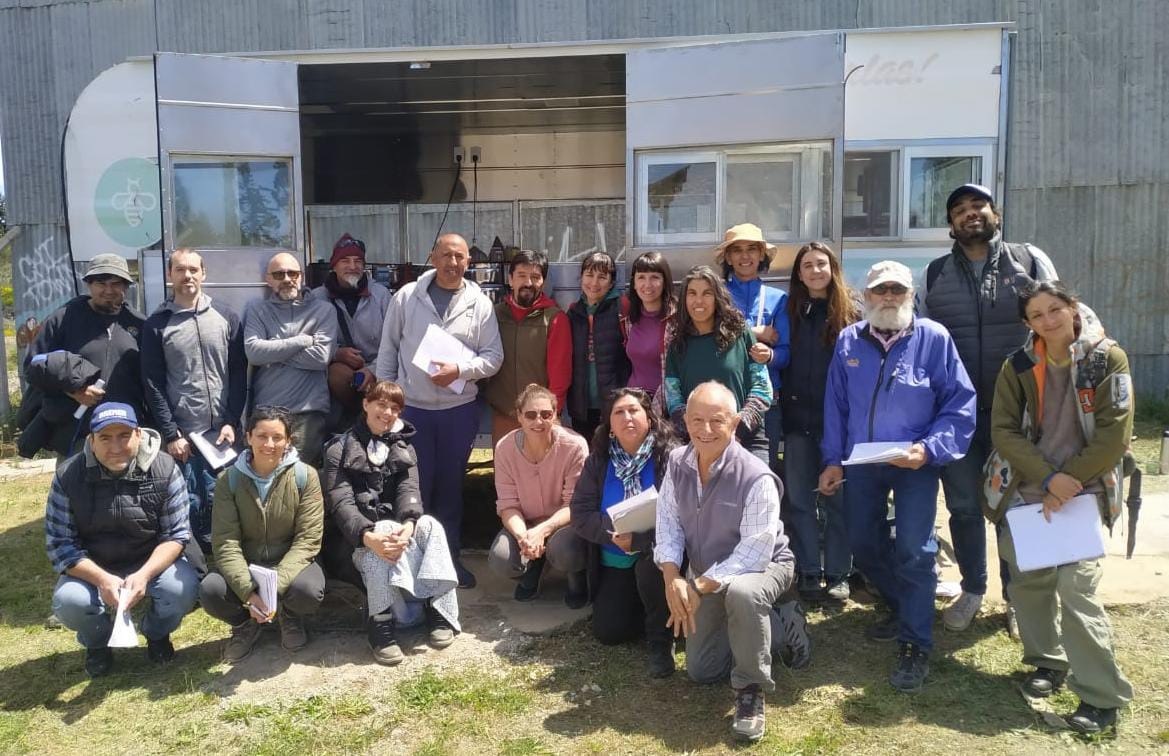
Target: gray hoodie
(289, 345)
(470, 318)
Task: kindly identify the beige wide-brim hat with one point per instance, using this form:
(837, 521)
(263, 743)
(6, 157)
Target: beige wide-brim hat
(747, 232)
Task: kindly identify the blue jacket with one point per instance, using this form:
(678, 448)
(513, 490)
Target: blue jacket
(917, 392)
(745, 295)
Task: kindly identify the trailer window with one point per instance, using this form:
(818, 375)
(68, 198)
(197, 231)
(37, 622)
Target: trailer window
(681, 197)
(931, 173)
(233, 203)
(870, 194)
(763, 190)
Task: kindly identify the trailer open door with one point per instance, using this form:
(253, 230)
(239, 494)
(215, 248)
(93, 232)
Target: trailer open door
(732, 132)
(230, 166)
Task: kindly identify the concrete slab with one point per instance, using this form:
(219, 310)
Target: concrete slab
(546, 614)
(15, 467)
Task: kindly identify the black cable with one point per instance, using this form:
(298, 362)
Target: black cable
(449, 199)
(475, 202)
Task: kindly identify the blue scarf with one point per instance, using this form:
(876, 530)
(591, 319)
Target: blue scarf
(627, 468)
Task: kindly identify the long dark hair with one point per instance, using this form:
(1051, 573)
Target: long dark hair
(729, 323)
(843, 309)
(663, 432)
(652, 262)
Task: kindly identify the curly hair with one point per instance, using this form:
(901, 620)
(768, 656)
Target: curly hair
(729, 323)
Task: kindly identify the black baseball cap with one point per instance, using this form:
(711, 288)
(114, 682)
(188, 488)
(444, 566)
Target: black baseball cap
(978, 190)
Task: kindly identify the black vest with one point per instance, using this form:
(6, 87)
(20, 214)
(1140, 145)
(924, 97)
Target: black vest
(117, 518)
(612, 362)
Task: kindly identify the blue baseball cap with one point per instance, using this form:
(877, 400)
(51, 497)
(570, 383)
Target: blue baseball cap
(978, 190)
(110, 413)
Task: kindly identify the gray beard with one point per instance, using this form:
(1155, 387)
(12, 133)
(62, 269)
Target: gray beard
(351, 281)
(288, 295)
(890, 319)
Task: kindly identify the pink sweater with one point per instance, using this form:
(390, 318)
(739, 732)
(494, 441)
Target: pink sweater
(538, 490)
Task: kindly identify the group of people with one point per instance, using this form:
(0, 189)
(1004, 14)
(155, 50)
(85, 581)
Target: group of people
(1007, 393)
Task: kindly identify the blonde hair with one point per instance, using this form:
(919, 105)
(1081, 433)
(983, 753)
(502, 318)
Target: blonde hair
(534, 391)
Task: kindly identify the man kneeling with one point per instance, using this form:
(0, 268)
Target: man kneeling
(719, 505)
(116, 525)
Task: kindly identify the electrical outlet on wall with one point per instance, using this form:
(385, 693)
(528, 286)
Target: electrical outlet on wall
(476, 154)
(460, 155)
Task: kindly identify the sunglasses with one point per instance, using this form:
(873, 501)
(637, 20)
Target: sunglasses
(882, 289)
(280, 275)
(531, 415)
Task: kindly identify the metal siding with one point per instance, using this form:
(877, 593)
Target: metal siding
(70, 31)
(337, 23)
(204, 26)
(426, 23)
(42, 276)
(119, 29)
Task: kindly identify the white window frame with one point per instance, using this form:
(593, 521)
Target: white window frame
(980, 150)
(897, 178)
(643, 162)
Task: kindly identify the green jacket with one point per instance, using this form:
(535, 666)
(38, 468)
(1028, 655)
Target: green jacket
(1101, 378)
(284, 534)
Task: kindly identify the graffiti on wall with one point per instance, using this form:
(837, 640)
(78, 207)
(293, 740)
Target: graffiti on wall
(43, 280)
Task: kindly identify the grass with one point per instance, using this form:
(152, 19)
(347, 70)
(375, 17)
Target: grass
(561, 693)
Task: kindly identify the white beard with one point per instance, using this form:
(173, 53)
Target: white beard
(890, 318)
(351, 281)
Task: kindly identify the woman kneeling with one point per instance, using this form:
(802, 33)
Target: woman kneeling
(372, 498)
(268, 513)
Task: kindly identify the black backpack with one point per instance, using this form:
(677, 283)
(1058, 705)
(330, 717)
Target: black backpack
(1020, 253)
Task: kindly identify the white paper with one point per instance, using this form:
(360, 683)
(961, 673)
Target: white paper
(1073, 534)
(637, 514)
(439, 346)
(872, 452)
(124, 634)
(216, 457)
(265, 585)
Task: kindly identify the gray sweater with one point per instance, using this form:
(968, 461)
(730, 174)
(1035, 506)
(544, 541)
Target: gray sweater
(289, 345)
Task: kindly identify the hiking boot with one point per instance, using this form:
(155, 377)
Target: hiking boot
(795, 645)
(529, 583)
(809, 588)
(660, 663)
(382, 641)
(242, 641)
(293, 636)
(1088, 720)
(1012, 624)
(98, 661)
(1042, 682)
(160, 650)
(837, 590)
(442, 634)
(576, 595)
(961, 611)
(465, 576)
(884, 630)
(750, 719)
(913, 665)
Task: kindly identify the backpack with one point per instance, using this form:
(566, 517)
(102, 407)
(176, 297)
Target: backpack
(1020, 253)
(300, 470)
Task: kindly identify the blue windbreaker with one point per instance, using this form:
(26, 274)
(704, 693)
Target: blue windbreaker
(917, 392)
(745, 295)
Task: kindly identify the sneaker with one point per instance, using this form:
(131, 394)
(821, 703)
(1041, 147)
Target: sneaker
(1088, 720)
(913, 665)
(961, 611)
(795, 645)
(242, 641)
(660, 663)
(293, 636)
(809, 588)
(160, 650)
(750, 719)
(52, 622)
(1012, 624)
(442, 634)
(576, 596)
(884, 630)
(98, 661)
(465, 576)
(1043, 682)
(382, 641)
(837, 590)
(528, 586)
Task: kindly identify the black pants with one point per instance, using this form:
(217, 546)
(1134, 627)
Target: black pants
(630, 603)
(303, 596)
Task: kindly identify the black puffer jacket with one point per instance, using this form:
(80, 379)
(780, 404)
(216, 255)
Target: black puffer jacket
(806, 376)
(613, 367)
(358, 493)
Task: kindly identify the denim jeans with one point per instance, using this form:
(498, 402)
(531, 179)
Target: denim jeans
(802, 466)
(200, 493)
(171, 596)
(901, 568)
(962, 482)
(443, 441)
(773, 427)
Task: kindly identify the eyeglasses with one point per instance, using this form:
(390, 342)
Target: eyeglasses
(351, 243)
(882, 289)
(280, 275)
(531, 415)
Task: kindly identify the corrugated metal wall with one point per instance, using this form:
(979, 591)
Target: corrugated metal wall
(1089, 145)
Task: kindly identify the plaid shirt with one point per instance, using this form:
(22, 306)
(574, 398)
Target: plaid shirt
(64, 543)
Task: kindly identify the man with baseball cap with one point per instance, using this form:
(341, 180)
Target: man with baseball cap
(896, 378)
(973, 293)
(93, 337)
(116, 529)
(361, 305)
